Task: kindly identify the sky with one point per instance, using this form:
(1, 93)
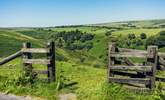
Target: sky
(45, 13)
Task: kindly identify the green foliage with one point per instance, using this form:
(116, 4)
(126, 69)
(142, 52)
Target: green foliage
(131, 36)
(60, 57)
(81, 63)
(109, 33)
(158, 40)
(114, 91)
(25, 79)
(89, 45)
(11, 42)
(82, 59)
(61, 79)
(143, 36)
(97, 65)
(162, 33)
(38, 33)
(150, 41)
(72, 40)
(159, 93)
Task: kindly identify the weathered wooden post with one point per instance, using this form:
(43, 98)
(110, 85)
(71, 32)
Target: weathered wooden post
(51, 65)
(27, 55)
(152, 60)
(111, 60)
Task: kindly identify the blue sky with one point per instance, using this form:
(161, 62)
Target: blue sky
(27, 13)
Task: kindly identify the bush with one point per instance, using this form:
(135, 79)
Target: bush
(89, 45)
(158, 40)
(60, 57)
(131, 36)
(109, 33)
(80, 46)
(82, 59)
(139, 42)
(162, 33)
(143, 36)
(72, 40)
(150, 41)
(97, 65)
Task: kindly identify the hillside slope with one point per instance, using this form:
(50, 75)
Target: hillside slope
(11, 42)
(135, 23)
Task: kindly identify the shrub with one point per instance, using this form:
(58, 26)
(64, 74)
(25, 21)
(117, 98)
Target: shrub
(158, 40)
(143, 36)
(139, 42)
(72, 40)
(162, 33)
(131, 36)
(82, 59)
(150, 41)
(60, 57)
(97, 65)
(109, 33)
(89, 45)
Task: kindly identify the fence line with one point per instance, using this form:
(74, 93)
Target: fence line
(141, 74)
(26, 53)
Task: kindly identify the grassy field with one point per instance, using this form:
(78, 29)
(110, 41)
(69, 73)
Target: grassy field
(87, 80)
(137, 32)
(11, 42)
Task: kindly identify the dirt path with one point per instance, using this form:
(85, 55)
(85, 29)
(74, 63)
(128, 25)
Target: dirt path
(4, 96)
(69, 96)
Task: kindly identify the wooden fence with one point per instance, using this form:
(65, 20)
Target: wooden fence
(49, 61)
(122, 70)
(27, 52)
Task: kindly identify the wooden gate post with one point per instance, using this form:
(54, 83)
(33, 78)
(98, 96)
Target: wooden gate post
(51, 66)
(27, 66)
(111, 60)
(152, 60)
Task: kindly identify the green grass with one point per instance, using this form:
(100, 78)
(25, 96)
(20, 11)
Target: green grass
(90, 83)
(137, 32)
(11, 42)
(140, 23)
(86, 79)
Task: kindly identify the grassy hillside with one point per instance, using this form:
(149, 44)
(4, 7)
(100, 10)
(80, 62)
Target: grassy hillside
(139, 24)
(88, 83)
(87, 78)
(11, 41)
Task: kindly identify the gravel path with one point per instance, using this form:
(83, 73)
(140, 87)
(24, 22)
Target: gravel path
(4, 96)
(69, 96)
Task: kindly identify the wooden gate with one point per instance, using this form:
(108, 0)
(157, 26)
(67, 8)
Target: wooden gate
(136, 74)
(49, 61)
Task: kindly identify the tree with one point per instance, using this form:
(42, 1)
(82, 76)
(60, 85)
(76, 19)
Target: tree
(89, 45)
(72, 40)
(150, 41)
(162, 33)
(160, 39)
(131, 36)
(139, 42)
(109, 33)
(82, 39)
(72, 47)
(143, 36)
(60, 43)
(80, 46)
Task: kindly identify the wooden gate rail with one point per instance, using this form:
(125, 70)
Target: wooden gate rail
(11, 57)
(131, 68)
(161, 55)
(148, 71)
